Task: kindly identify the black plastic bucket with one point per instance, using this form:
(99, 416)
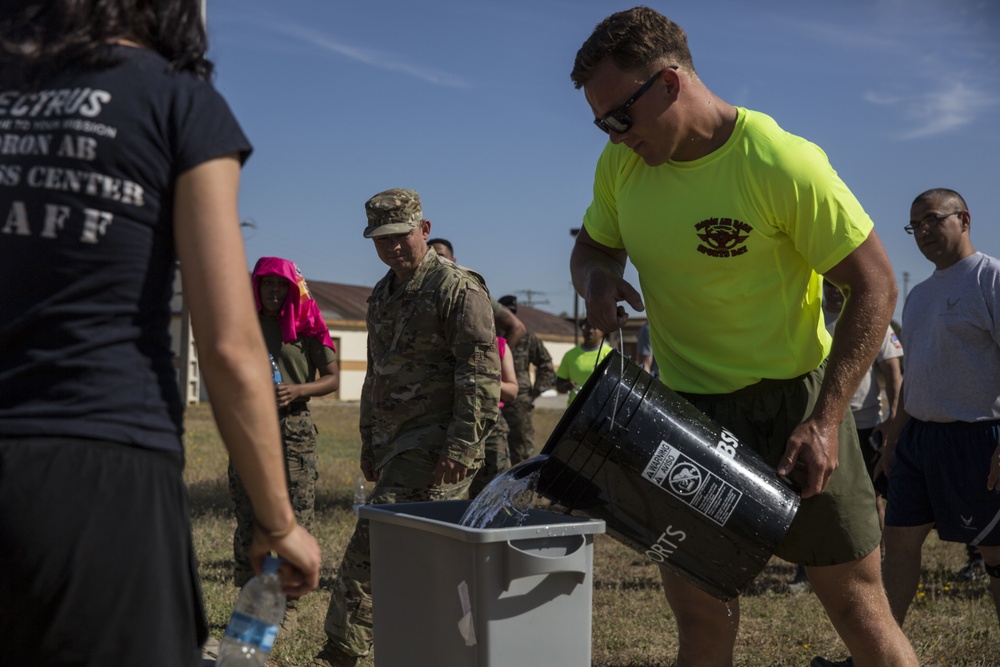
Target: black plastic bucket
(666, 479)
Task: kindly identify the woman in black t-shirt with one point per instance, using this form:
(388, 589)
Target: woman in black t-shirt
(122, 159)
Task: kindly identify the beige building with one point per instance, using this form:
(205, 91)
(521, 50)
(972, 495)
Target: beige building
(344, 308)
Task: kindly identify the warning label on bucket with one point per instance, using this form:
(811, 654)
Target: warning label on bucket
(692, 483)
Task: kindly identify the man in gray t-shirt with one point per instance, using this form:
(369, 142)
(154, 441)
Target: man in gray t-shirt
(644, 351)
(942, 450)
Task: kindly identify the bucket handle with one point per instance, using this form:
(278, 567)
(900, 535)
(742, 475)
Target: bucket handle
(519, 564)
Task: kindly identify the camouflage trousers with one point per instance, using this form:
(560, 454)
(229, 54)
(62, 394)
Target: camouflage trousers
(298, 438)
(497, 457)
(406, 478)
(521, 440)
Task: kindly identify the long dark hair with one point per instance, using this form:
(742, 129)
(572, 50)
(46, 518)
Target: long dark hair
(41, 37)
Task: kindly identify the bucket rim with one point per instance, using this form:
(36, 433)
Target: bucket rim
(603, 368)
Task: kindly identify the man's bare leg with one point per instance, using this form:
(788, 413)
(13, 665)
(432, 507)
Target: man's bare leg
(706, 626)
(856, 603)
(901, 567)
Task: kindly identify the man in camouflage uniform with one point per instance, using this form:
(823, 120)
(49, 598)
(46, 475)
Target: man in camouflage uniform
(529, 351)
(430, 396)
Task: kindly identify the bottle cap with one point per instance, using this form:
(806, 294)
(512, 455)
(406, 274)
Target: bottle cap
(271, 564)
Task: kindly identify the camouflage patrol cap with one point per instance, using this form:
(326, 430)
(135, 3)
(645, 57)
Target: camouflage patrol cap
(395, 211)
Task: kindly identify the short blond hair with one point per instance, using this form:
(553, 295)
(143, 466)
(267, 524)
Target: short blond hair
(637, 39)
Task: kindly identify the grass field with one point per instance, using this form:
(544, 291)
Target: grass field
(950, 623)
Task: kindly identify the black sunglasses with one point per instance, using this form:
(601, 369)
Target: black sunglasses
(618, 120)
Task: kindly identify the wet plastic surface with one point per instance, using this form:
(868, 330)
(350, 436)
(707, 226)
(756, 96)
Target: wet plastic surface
(667, 480)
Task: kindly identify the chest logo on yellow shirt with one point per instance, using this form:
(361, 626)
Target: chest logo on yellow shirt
(723, 237)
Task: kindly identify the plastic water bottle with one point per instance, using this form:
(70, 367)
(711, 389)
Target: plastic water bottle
(274, 370)
(360, 496)
(253, 626)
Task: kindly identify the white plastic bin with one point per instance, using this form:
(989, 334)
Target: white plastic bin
(448, 595)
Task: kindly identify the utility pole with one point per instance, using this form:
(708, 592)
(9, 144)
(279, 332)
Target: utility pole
(529, 299)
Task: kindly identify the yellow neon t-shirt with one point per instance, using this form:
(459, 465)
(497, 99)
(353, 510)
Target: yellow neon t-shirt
(728, 248)
(578, 365)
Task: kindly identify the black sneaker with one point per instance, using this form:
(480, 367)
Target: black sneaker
(972, 571)
(331, 656)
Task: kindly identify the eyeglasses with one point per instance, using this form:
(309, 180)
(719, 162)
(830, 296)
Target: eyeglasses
(930, 220)
(618, 120)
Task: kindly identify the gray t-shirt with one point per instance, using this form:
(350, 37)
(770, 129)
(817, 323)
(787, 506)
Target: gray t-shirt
(644, 348)
(951, 333)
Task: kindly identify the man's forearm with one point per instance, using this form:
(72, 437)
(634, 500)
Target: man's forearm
(585, 261)
(856, 342)
(545, 377)
(893, 375)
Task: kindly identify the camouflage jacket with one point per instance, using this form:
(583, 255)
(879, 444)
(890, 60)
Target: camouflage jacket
(530, 351)
(433, 379)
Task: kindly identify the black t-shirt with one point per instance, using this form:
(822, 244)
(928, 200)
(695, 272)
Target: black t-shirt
(87, 171)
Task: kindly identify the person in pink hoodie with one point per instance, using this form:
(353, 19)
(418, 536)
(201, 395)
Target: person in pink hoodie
(299, 344)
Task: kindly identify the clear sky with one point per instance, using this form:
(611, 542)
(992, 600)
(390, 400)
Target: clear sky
(470, 103)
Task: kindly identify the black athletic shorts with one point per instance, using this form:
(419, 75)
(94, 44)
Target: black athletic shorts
(939, 476)
(97, 566)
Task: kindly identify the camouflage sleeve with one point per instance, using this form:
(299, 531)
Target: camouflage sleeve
(471, 337)
(545, 374)
(365, 423)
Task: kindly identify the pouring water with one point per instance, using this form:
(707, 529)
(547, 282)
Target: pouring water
(506, 501)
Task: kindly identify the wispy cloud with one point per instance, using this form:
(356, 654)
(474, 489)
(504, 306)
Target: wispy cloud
(947, 108)
(378, 59)
(902, 42)
(881, 99)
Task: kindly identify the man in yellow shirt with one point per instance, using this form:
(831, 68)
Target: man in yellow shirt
(578, 364)
(730, 221)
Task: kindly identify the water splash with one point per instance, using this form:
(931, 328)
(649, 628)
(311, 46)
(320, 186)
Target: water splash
(507, 500)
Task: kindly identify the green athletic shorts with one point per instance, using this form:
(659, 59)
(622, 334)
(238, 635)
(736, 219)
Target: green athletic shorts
(840, 524)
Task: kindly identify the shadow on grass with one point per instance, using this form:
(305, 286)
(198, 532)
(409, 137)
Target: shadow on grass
(211, 497)
(327, 501)
(636, 584)
(936, 583)
(216, 571)
(773, 579)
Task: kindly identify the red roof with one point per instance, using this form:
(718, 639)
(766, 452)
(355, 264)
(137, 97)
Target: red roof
(349, 303)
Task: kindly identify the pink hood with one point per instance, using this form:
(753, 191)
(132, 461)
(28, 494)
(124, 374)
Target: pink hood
(300, 315)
